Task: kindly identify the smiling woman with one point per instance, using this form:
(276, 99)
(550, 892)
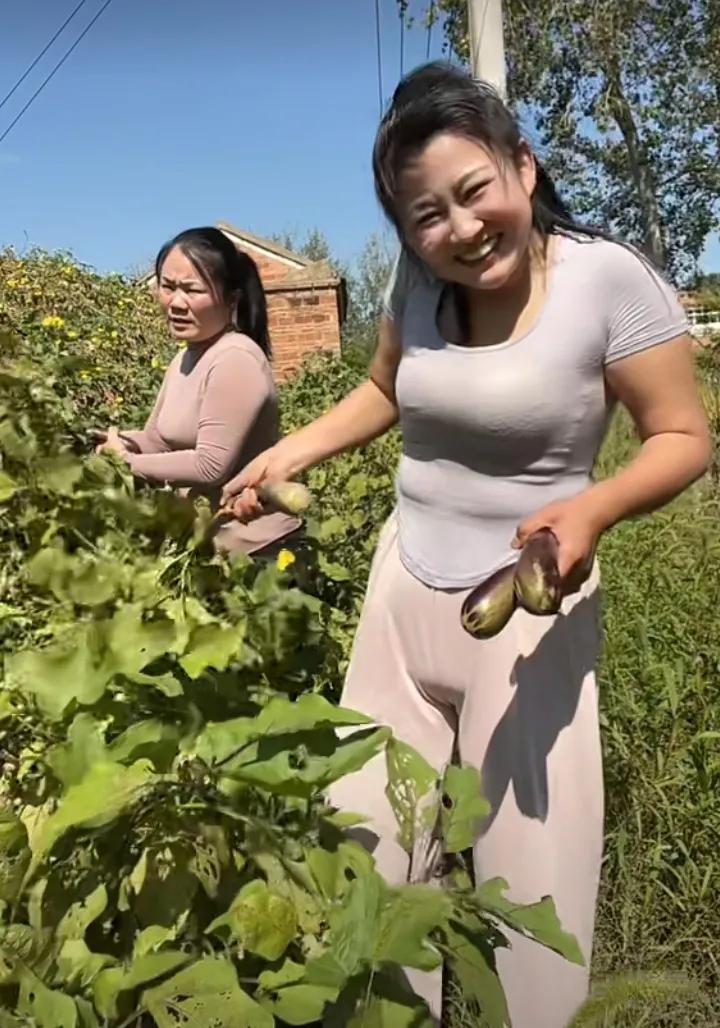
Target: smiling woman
(509, 333)
(217, 407)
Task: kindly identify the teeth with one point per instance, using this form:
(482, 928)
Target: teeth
(481, 251)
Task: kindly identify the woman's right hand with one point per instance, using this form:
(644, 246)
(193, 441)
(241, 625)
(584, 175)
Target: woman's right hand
(239, 496)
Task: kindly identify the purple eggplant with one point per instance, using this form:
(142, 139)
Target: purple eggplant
(538, 586)
(490, 605)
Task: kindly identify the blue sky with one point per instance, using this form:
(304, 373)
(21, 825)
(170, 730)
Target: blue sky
(169, 115)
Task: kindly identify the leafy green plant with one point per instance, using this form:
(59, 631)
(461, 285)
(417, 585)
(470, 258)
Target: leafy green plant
(167, 854)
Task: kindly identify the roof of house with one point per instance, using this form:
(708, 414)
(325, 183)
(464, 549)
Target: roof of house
(302, 272)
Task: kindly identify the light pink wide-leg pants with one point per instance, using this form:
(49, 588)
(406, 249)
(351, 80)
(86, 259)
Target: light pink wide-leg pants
(522, 708)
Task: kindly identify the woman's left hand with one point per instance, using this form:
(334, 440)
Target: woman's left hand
(577, 525)
(113, 442)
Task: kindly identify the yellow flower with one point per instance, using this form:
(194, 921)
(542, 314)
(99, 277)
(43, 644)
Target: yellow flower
(284, 559)
(12, 284)
(85, 376)
(113, 335)
(72, 335)
(52, 321)
(155, 362)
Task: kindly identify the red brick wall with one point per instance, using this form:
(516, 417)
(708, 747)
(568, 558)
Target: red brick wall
(302, 322)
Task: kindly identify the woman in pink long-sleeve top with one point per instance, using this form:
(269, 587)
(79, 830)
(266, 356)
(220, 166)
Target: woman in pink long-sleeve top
(217, 407)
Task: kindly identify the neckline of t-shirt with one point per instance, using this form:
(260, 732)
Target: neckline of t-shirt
(559, 246)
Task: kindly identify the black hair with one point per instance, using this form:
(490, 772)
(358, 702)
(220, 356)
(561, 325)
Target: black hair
(228, 271)
(439, 97)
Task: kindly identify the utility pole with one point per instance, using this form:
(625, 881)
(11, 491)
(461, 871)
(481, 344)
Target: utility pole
(487, 47)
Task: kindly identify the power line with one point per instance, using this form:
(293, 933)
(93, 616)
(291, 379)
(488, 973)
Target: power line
(41, 54)
(52, 74)
(379, 56)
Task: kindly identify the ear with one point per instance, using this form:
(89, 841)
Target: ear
(526, 167)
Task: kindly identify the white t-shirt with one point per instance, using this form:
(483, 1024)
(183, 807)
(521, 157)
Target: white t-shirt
(493, 433)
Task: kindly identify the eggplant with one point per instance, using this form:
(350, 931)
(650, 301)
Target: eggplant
(289, 497)
(538, 586)
(488, 608)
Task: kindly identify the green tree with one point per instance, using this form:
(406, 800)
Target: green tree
(314, 246)
(366, 282)
(624, 98)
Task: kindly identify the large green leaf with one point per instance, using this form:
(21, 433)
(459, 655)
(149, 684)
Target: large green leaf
(79, 916)
(263, 922)
(77, 966)
(334, 870)
(105, 791)
(94, 582)
(302, 763)
(8, 487)
(133, 641)
(212, 646)
(463, 808)
(285, 995)
(48, 1008)
(206, 993)
(151, 739)
(310, 710)
(354, 931)
(109, 983)
(85, 746)
(220, 740)
(59, 474)
(68, 670)
(539, 920)
(408, 916)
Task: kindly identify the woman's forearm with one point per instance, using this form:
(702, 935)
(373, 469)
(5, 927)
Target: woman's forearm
(363, 415)
(666, 465)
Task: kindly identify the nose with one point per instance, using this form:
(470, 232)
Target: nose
(464, 225)
(178, 300)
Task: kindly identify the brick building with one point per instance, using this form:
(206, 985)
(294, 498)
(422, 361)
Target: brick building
(306, 299)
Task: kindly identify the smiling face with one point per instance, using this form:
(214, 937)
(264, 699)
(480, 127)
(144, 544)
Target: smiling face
(195, 312)
(467, 214)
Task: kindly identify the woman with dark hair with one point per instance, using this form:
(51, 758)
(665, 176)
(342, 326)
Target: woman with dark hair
(509, 334)
(217, 407)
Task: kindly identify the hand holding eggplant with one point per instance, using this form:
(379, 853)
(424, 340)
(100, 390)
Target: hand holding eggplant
(532, 582)
(557, 550)
(577, 525)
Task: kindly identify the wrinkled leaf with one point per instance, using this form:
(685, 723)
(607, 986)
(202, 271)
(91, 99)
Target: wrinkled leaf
(263, 922)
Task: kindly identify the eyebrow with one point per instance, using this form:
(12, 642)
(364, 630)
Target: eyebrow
(464, 179)
(183, 281)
